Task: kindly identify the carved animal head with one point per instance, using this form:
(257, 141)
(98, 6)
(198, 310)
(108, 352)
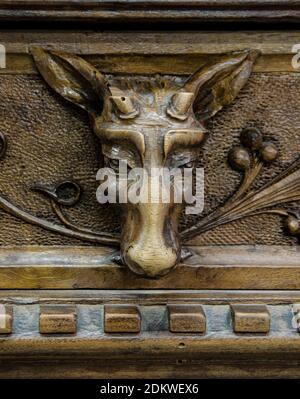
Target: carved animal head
(149, 122)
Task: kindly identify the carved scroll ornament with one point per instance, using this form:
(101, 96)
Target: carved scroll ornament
(159, 120)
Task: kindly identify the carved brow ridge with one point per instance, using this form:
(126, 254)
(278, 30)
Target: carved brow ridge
(182, 137)
(133, 136)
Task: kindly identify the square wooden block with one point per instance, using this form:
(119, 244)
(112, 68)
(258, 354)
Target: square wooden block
(121, 319)
(186, 319)
(58, 319)
(250, 318)
(6, 318)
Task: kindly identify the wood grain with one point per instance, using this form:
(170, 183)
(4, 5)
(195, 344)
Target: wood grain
(141, 64)
(232, 267)
(56, 319)
(146, 52)
(213, 276)
(6, 319)
(186, 319)
(147, 43)
(121, 319)
(148, 297)
(150, 11)
(250, 318)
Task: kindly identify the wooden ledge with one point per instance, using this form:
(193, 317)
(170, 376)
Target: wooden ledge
(154, 352)
(228, 267)
(152, 11)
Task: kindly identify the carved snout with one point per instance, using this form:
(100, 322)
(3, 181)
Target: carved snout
(150, 244)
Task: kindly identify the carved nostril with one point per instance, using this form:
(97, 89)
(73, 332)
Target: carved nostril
(152, 264)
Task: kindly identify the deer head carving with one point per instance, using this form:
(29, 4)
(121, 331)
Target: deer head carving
(149, 122)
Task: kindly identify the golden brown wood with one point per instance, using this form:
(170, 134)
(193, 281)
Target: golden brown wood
(211, 267)
(97, 44)
(6, 319)
(113, 52)
(129, 104)
(186, 319)
(150, 252)
(214, 268)
(121, 319)
(150, 297)
(56, 319)
(220, 353)
(250, 318)
(296, 318)
(180, 11)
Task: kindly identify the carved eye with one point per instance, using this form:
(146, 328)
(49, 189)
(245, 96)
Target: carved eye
(183, 158)
(126, 108)
(188, 165)
(113, 163)
(115, 153)
(117, 165)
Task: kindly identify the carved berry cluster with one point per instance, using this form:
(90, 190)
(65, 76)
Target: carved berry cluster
(253, 146)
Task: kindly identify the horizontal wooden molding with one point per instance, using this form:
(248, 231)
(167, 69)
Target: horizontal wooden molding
(129, 52)
(225, 267)
(153, 11)
(154, 351)
(142, 64)
(148, 297)
(145, 42)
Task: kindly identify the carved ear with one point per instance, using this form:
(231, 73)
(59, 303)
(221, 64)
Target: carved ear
(73, 78)
(217, 84)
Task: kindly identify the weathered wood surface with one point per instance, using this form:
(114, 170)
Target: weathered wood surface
(122, 319)
(150, 11)
(141, 64)
(128, 52)
(186, 319)
(148, 297)
(232, 267)
(250, 318)
(160, 368)
(150, 43)
(155, 351)
(57, 319)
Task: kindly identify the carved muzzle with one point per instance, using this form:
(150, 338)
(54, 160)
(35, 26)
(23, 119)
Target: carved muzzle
(150, 243)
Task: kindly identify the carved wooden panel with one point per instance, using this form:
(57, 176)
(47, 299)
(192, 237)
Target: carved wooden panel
(168, 293)
(50, 152)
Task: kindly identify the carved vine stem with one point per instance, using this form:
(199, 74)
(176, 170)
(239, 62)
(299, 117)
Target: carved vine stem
(67, 222)
(283, 189)
(55, 194)
(104, 238)
(68, 193)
